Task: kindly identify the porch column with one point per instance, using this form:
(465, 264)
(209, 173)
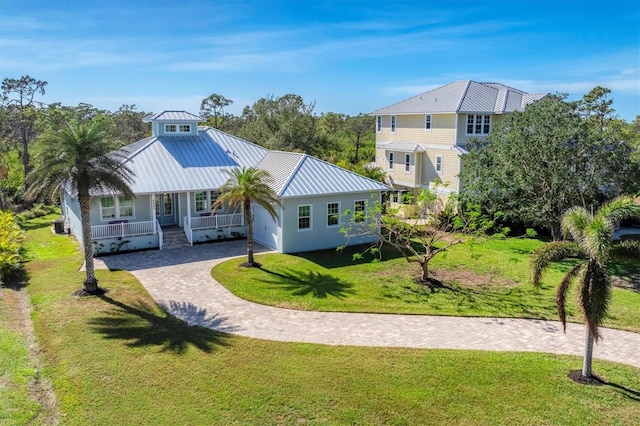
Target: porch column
(153, 213)
(189, 208)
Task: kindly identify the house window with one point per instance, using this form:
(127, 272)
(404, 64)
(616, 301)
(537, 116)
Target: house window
(478, 124)
(214, 198)
(393, 124)
(391, 161)
(359, 211)
(304, 217)
(125, 207)
(116, 208)
(107, 208)
(201, 201)
(333, 214)
(439, 163)
(185, 128)
(378, 124)
(407, 163)
(427, 122)
(169, 128)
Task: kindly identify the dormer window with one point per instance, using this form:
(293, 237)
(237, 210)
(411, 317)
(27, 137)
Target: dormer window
(174, 128)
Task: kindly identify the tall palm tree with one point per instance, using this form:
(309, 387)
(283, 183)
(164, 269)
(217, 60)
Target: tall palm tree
(84, 159)
(592, 243)
(245, 186)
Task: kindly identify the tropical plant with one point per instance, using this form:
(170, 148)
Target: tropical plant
(591, 242)
(244, 187)
(82, 159)
(11, 237)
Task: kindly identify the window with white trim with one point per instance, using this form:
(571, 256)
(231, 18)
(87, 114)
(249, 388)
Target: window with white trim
(359, 210)
(185, 128)
(107, 208)
(170, 128)
(393, 124)
(214, 197)
(427, 122)
(201, 202)
(333, 214)
(391, 161)
(478, 124)
(116, 208)
(407, 163)
(304, 217)
(125, 207)
(439, 163)
(378, 123)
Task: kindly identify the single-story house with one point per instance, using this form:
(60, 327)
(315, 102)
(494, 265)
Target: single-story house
(178, 173)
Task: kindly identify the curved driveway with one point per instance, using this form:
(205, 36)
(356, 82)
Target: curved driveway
(180, 281)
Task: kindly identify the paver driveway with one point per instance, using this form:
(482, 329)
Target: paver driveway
(181, 282)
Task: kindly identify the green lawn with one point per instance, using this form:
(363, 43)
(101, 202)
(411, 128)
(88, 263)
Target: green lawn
(120, 359)
(495, 273)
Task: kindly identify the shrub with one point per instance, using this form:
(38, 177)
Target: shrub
(11, 237)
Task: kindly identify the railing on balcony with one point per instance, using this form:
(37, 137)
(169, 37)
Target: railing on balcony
(124, 229)
(217, 221)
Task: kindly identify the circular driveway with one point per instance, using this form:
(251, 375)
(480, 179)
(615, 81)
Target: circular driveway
(180, 281)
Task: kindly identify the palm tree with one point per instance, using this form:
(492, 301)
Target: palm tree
(592, 243)
(246, 186)
(83, 157)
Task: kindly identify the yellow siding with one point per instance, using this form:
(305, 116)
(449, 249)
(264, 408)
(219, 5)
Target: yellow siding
(450, 168)
(398, 175)
(463, 138)
(410, 128)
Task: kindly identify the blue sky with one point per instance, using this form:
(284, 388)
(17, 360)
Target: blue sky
(346, 56)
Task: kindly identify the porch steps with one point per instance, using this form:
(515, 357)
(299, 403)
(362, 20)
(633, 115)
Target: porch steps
(173, 238)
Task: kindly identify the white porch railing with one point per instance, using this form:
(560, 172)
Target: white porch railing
(217, 221)
(124, 229)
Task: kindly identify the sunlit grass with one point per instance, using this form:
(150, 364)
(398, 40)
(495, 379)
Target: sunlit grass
(120, 359)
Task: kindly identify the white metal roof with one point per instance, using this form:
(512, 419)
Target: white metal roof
(300, 175)
(466, 96)
(188, 163)
(177, 116)
(401, 146)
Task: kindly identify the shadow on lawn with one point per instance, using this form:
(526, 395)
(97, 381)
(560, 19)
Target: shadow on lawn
(338, 259)
(316, 284)
(140, 326)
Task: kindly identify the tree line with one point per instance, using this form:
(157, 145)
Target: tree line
(286, 123)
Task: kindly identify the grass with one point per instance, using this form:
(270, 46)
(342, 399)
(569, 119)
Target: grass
(493, 281)
(121, 357)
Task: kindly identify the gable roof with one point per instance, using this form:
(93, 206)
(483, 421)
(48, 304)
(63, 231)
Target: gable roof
(176, 116)
(466, 96)
(188, 163)
(300, 175)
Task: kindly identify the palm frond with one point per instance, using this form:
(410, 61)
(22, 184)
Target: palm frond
(574, 222)
(563, 289)
(597, 239)
(552, 252)
(595, 293)
(628, 249)
(620, 208)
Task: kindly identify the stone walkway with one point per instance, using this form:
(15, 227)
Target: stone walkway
(180, 281)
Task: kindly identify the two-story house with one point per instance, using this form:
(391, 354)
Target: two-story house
(421, 139)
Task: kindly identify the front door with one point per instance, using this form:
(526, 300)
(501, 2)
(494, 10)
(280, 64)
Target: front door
(165, 209)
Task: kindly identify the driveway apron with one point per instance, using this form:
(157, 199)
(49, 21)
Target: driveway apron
(180, 281)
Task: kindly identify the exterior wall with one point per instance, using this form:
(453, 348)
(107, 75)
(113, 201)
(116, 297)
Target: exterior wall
(450, 168)
(141, 210)
(398, 175)
(320, 236)
(72, 215)
(219, 234)
(463, 138)
(411, 128)
(266, 230)
(117, 245)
